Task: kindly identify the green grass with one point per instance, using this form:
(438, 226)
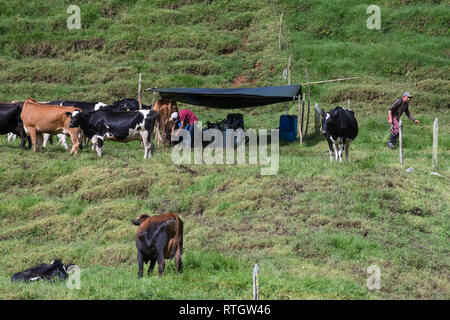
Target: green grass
(313, 229)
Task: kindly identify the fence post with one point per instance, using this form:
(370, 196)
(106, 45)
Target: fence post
(309, 102)
(435, 143)
(279, 35)
(400, 138)
(256, 282)
(300, 124)
(140, 91)
(316, 119)
(289, 80)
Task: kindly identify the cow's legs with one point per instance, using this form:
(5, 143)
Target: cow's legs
(46, 137)
(161, 263)
(148, 144)
(39, 139)
(99, 147)
(152, 266)
(24, 138)
(62, 141)
(179, 251)
(347, 149)
(140, 264)
(74, 138)
(341, 150)
(335, 151)
(11, 136)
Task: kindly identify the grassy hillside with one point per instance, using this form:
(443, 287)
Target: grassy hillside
(314, 228)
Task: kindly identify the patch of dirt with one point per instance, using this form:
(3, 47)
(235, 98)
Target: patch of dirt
(96, 43)
(242, 79)
(189, 170)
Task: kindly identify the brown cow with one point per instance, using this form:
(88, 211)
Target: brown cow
(40, 118)
(158, 238)
(164, 108)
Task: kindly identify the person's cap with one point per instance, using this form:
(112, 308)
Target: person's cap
(174, 115)
(406, 94)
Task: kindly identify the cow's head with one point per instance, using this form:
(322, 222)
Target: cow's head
(75, 120)
(326, 121)
(139, 220)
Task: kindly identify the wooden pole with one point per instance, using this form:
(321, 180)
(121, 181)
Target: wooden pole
(140, 91)
(309, 103)
(289, 80)
(256, 282)
(333, 80)
(300, 124)
(400, 137)
(303, 111)
(316, 119)
(279, 34)
(153, 100)
(435, 143)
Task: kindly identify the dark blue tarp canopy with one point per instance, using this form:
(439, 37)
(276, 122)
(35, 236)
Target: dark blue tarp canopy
(231, 98)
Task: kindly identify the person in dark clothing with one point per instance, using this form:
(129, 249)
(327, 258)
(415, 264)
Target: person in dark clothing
(394, 113)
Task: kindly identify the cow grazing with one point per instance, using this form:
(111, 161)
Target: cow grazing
(339, 126)
(158, 238)
(39, 118)
(83, 105)
(117, 126)
(164, 124)
(10, 122)
(54, 270)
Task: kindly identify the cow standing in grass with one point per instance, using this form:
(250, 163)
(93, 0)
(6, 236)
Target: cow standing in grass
(158, 238)
(117, 126)
(340, 127)
(164, 124)
(40, 118)
(11, 123)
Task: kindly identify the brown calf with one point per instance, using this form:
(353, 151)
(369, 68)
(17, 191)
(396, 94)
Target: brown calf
(164, 108)
(159, 237)
(41, 118)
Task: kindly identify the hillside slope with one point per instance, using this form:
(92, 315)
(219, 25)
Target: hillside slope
(314, 228)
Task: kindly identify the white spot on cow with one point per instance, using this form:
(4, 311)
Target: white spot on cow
(327, 116)
(35, 278)
(99, 105)
(75, 113)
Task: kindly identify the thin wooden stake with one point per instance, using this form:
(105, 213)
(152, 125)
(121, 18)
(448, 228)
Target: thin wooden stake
(435, 143)
(289, 80)
(333, 80)
(153, 100)
(256, 282)
(303, 111)
(279, 34)
(316, 119)
(300, 124)
(140, 91)
(309, 102)
(400, 137)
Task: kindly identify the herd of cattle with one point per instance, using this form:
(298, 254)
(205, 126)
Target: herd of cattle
(158, 237)
(122, 121)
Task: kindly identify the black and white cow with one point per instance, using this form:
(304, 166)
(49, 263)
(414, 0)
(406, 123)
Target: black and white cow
(339, 126)
(126, 104)
(55, 269)
(117, 126)
(10, 122)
